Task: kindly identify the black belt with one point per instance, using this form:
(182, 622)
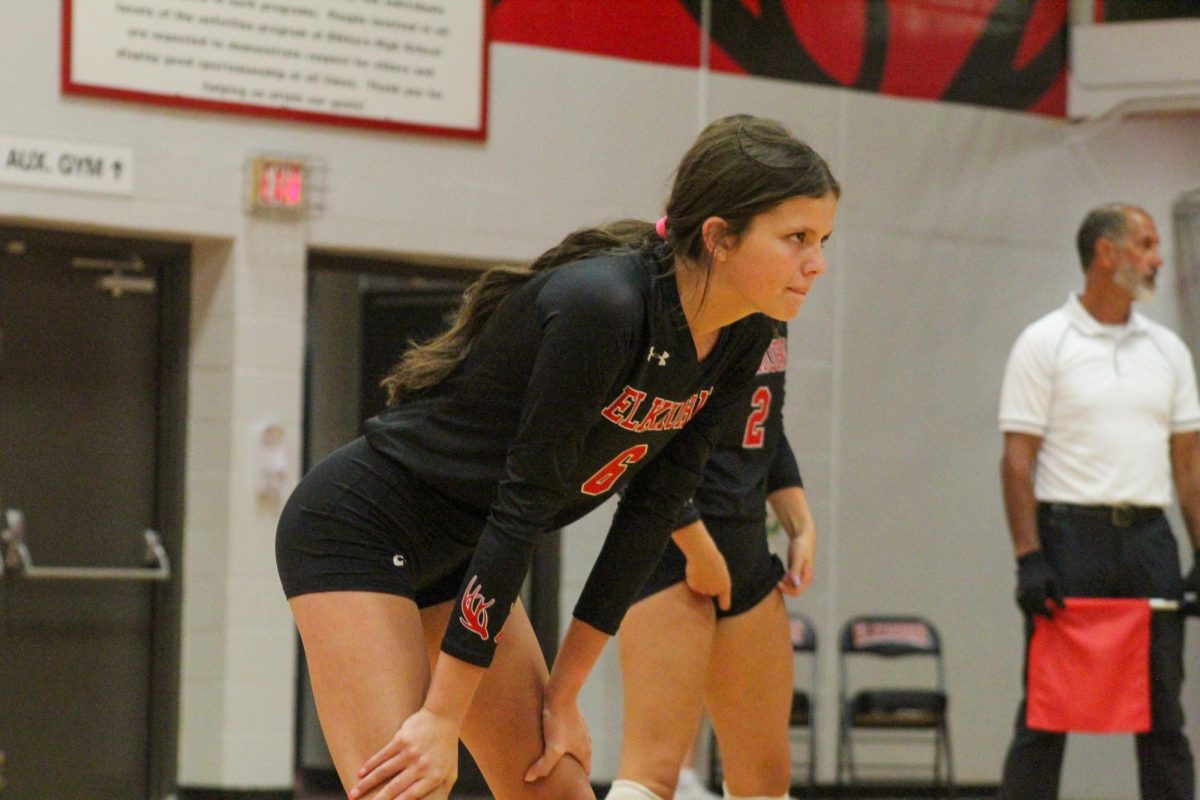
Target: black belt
(1120, 516)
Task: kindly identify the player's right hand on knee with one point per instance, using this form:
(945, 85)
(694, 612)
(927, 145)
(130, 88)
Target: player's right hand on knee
(420, 760)
(1037, 585)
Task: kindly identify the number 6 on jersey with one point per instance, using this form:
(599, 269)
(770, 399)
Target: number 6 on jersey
(607, 475)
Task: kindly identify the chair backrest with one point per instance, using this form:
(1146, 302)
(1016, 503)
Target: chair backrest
(885, 635)
(803, 633)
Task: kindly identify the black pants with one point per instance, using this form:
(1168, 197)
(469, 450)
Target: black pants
(1094, 558)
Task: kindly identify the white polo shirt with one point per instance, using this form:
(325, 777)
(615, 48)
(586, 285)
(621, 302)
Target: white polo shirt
(1105, 400)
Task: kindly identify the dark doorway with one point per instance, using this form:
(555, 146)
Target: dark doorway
(92, 382)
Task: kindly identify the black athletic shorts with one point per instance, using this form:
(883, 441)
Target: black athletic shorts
(753, 568)
(352, 524)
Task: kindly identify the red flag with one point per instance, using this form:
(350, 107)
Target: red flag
(1089, 668)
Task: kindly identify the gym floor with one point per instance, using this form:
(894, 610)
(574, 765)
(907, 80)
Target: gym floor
(964, 793)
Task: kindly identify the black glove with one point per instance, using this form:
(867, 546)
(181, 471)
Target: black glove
(1037, 585)
(1191, 584)
(1191, 589)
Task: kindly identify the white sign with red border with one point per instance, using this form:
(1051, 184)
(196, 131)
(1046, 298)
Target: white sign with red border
(400, 64)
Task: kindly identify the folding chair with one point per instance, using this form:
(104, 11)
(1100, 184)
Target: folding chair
(892, 714)
(802, 722)
(802, 718)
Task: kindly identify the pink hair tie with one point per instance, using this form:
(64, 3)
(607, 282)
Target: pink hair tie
(660, 228)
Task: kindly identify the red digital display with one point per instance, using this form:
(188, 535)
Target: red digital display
(278, 184)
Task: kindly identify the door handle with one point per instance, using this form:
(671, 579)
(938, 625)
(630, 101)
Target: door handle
(19, 561)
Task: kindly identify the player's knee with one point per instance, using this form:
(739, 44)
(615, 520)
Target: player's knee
(567, 781)
(764, 773)
(630, 790)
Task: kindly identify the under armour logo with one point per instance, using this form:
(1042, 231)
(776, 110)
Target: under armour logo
(398, 560)
(662, 357)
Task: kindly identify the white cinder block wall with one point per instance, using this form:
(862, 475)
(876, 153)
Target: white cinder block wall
(955, 231)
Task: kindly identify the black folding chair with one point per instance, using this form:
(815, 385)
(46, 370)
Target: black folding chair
(892, 713)
(802, 722)
(802, 718)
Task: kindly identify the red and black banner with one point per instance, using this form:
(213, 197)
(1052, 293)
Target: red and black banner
(1001, 53)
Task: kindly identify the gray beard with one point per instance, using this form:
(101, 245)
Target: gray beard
(1132, 281)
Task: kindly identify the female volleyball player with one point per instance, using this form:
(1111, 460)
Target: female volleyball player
(682, 649)
(610, 363)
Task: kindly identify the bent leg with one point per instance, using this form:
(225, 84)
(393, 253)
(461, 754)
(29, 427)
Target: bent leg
(749, 696)
(665, 641)
(368, 669)
(503, 729)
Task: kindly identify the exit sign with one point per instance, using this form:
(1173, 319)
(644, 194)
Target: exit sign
(277, 184)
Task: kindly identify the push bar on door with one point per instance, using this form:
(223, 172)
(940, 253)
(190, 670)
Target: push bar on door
(19, 561)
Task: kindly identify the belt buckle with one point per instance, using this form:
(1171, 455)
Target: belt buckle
(1122, 516)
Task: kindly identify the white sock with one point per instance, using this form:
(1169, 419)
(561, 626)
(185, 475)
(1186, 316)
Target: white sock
(630, 790)
(691, 787)
(731, 796)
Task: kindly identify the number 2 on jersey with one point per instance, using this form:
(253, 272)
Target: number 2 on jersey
(604, 479)
(760, 407)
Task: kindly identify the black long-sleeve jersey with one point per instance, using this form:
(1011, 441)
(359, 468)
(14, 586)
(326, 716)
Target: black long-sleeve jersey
(753, 457)
(584, 381)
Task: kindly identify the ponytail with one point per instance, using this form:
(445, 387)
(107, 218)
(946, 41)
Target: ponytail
(426, 365)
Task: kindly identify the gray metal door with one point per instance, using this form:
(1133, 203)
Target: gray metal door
(81, 428)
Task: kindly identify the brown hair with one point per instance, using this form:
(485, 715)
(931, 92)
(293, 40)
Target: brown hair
(740, 166)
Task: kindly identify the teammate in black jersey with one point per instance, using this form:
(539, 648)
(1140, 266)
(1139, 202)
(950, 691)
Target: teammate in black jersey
(717, 636)
(607, 365)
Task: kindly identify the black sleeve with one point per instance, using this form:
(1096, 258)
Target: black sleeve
(688, 515)
(784, 471)
(587, 331)
(651, 504)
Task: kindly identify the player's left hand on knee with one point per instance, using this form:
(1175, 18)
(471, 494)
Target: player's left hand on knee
(418, 761)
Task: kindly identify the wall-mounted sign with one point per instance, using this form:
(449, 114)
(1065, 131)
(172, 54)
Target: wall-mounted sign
(417, 65)
(63, 165)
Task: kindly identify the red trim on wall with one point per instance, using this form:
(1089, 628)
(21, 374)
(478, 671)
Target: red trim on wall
(69, 86)
(65, 48)
(484, 69)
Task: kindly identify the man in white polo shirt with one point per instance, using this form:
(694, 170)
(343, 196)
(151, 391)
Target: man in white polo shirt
(1100, 415)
